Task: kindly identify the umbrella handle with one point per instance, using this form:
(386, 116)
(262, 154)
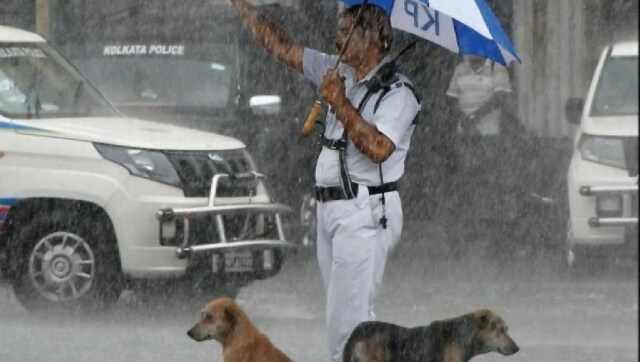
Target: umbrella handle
(317, 105)
(311, 120)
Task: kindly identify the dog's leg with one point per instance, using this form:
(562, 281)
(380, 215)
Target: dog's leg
(452, 353)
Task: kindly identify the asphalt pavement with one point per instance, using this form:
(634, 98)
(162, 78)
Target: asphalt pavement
(552, 314)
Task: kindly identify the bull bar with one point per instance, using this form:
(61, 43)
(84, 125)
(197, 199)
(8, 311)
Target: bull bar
(185, 249)
(612, 190)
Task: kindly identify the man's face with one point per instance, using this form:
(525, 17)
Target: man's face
(344, 26)
(357, 47)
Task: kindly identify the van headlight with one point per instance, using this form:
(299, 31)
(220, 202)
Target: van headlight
(604, 150)
(151, 165)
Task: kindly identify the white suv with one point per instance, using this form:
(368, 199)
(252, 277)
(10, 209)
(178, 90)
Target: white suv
(603, 174)
(91, 201)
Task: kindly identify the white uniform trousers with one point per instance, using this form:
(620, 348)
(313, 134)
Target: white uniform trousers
(352, 252)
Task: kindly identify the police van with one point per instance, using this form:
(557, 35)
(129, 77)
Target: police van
(92, 201)
(192, 63)
(603, 174)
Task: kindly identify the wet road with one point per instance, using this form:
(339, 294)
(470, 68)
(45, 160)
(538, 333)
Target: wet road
(552, 315)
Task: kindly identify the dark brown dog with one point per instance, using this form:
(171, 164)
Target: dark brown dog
(452, 340)
(241, 341)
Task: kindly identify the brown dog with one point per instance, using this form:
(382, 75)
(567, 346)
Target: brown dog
(452, 340)
(241, 341)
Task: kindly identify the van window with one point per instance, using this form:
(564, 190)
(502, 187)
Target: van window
(617, 92)
(36, 82)
(201, 77)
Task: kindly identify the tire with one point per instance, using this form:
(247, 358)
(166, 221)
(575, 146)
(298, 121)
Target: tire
(65, 262)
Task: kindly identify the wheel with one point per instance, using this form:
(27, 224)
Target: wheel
(65, 262)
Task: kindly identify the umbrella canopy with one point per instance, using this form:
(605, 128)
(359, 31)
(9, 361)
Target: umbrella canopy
(462, 26)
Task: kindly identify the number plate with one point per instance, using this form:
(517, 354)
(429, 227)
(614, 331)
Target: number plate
(238, 262)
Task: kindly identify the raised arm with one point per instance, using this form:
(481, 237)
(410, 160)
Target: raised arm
(274, 39)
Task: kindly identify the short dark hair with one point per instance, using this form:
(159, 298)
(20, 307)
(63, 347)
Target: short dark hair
(375, 20)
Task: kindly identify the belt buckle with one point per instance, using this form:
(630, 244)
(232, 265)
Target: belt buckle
(318, 192)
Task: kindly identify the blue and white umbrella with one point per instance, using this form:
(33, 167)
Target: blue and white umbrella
(462, 26)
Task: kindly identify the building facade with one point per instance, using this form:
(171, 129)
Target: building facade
(559, 42)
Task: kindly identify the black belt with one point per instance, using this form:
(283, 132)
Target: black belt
(324, 194)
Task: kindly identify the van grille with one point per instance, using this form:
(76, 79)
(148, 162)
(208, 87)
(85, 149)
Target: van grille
(197, 168)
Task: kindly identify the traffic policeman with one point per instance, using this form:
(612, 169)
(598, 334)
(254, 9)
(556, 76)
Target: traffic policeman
(365, 141)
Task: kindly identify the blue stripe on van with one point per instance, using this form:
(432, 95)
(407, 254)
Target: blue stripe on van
(8, 201)
(11, 125)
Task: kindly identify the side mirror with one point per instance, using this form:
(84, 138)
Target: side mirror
(265, 105)
(573, 110)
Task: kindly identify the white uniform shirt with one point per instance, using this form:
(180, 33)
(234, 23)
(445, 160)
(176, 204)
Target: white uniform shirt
(393, 118)
(475, 88)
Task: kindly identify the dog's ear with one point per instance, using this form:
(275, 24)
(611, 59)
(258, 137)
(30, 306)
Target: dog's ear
(483, 317)
(229, 316)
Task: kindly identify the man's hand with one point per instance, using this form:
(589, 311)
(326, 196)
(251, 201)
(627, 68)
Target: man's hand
(272, 37)
(332, 89)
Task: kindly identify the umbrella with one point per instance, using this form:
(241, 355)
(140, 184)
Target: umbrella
(462, 26)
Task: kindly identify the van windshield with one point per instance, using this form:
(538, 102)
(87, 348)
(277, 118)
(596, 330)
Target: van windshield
(617, 92)
(179, 76)
(37, 82)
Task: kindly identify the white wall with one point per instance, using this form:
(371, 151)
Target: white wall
(552, 68)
